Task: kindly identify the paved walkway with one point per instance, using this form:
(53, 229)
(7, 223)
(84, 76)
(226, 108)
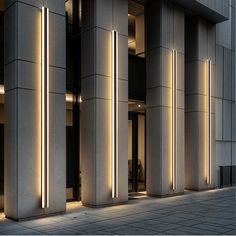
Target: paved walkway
(209, 212)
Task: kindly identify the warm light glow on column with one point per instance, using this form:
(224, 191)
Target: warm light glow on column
(174, 118)
(69, 98)
(45, 108)
(114, 114)
(2, 91)
(208, 122)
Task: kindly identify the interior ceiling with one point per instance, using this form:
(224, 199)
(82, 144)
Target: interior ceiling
(137, 106)
(142, 2)
(135, 8)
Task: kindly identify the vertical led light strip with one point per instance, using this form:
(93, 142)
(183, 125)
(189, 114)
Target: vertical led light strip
(114, 114)
(174, 117)
(45, 108)
(208, 159)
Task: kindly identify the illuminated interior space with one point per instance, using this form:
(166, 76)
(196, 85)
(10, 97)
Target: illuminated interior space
(101, 101)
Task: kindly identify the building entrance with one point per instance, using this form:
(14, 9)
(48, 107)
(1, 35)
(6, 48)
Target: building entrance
(73, 175)
(136, 153)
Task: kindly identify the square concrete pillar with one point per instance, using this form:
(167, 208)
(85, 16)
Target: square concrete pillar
(200, 46)
(22, 65)
(100, 18)
(164, 32)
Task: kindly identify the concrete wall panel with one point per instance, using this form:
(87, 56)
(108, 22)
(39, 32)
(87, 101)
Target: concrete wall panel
(219, 119)
(88, 150)
(223, 32)
(88, 42)
(28, 23)
(29, 155)
(153, 59)
(167, 25)
(227, 74)
(123, 59)
(10, 152)
(219, 71)
(120, 8)
(10, 36)
(179, 30)
(57, 154)
(227, 125)
(154, 139)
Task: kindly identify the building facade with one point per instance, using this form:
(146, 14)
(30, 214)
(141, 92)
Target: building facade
(103, 98)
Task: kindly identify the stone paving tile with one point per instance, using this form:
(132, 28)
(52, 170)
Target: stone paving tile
(187, 222)
(231, 232)
(219, 221)
(134, 231)
(61, 232)
(100, 232)
(109, 224)
(217, 229)
(161, 228)
(145, 225)
(227, 227)
(171, 219)
(196, 231)
(48, 228)
(25, 232)
(79, 233)
(11, 229)
(44, 221)
(86, 228)
(20, 231)
(175, 232)
(152, 222)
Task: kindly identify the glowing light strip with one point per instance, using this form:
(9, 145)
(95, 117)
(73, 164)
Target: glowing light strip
(45, 108)
(114, 114)
(174, 118)
(69, 98)
(2, 91)
(208, 164)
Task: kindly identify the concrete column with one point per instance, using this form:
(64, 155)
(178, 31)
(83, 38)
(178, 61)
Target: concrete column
(23, 109)
(200, 46)
(99, 19)
(164, 32)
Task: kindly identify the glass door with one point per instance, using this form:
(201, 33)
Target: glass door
(136, 153)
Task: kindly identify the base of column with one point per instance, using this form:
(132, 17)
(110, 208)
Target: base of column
(201, 189)
(36, 217)
(165, 195)
(104, 205)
